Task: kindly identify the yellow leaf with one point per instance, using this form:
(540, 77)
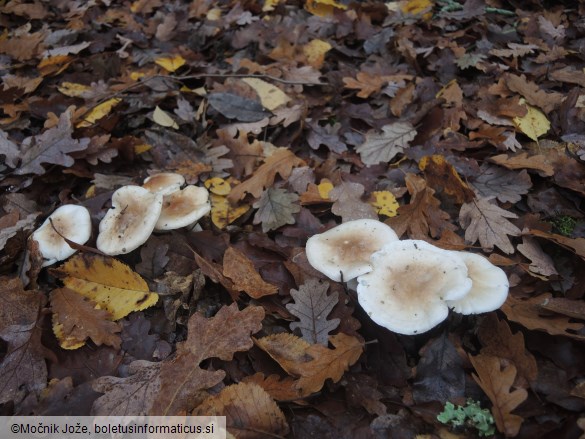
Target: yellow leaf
(139, 149)
(214, 14)
(218, 186)
(269, 5)
(72, 89)
(323, 8)
(271, 96)
(163, 119)
(417, 7)
(170, 63)
(98, 112)
(385, 203)
(324, 188)
(534, 124)
(135, 76)
(315, 51)
(112, 285)
(222, 213)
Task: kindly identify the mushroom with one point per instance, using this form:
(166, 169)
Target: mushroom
(71, 221)
(344, 251)
(130, 221)
(164, 183)
(411, 281)
(183, 208)
(489, 289)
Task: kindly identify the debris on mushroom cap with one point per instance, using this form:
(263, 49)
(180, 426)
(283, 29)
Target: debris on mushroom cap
(489, 289)
(130, 221)
(183, 208)
(164, 183)
(409, 285)
(345, 250)
(73, 222)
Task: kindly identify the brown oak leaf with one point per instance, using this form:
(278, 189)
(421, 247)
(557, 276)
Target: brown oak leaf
(244, 154)
(240, 269)
(348, 203)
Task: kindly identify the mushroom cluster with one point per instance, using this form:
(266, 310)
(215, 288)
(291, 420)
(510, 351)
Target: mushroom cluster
(160, 204)
(406, 286)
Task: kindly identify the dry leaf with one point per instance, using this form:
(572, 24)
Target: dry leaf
(170, 63)
(163, 119)
(182, 380)
(534, 123)
(279, 389)
(242, 272)
(487, 223)
(348, 202)
(312, 364)
(383, 147)
(507, 186)
(271, 96)
(539, 163)
(98, 112)
(496, 382)
(275, 209)
(385, 203)
(442, 175)
(576, 245)
(312, 305)
(109, 283)
(248, 409)
(540, 262)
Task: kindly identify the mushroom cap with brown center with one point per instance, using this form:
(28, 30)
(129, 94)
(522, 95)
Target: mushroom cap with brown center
(130, 221)
(71, 221)
(183, 208)
(345, 250)
(489, 289)
(164, 183)
(409, 285)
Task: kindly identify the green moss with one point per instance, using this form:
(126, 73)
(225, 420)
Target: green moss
(564, 224)
(469, 416)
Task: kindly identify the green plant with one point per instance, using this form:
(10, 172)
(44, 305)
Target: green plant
(469, 416)
(564, 224)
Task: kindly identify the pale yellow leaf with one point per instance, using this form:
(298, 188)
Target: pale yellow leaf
(324, 188)
(534, 124)
(163, 119)
(385, 203)
(315, 51)
(323, 8)
(271, 96)
(72, 89)
(98, 112)
(170, 63)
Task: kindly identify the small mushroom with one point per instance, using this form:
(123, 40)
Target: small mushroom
(71, 221)
(130, 221)
(345, 250)
(183, 208)
(411, 281)
(489, 289)
(164, 183)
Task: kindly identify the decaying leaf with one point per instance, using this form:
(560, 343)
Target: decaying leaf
(182, 380)
(312, 305)
(538, 162)
(109, 283)
(76, 318)
(540, 262)
(505, 185)
(385, 203)
(279, 389)
(442, 175)
(275, 209)
(383, 147)
(241, 271)
(248, 409)
(486, 222)
(312, 364)
(236, 107)
(534, 124)
(496, 382)
(271, 96)
(348, 202)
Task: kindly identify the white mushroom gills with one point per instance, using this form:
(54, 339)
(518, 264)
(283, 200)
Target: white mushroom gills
(71, 221)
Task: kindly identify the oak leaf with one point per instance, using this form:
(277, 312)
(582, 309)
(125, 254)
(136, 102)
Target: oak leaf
(248, 409)
(275, 209)
(538, 162)
(312, 305)
(279, 389)
(422, 216)
(182, 380)
(507, 186)
(441, 174)
(487, 223)
(76, 318)
(108, 282)
(496, 382)
(383, 147)
(280, 162)
(313, 364)
(533, 94)
(9, 150)
(534, 123)
(576, 245)
(540, 262)
(348, 203)
(52, 147)
(244, 154)
(242, 272)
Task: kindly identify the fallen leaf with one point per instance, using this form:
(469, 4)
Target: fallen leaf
(98, 112)
(170, 63)
(76, 318)
(279, 389)
(383, 147)
(570, 308)
(223, 213)
(315, 51)
(245, 154)
(348, 203)
(385, 203)
(487, 223)
(507, 186)
(236, 107)
(533, 94)
(534, 124)
(52, 147)
(163, 119)
(275, 209)
(442, 175)
(313, 364)
(221, 336)
(248, 409)
(538, 162)
(496, 382)
(576, 245)
(323, 8)
(9, 150)
(271, 96)
(311, 306)
(240, 269)
(280, 162)
(540, 262)
(109, 283)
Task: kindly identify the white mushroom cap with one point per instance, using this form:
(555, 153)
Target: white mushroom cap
(489, 290)
(183, 208)
(164, 183)
(347, 248)
(130, 221)
(73, 222)
(407, 290)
